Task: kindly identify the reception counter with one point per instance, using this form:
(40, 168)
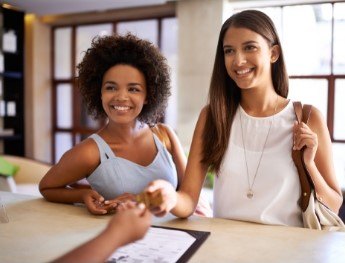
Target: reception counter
(39, 231)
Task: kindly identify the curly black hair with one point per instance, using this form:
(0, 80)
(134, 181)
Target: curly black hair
(108, 51)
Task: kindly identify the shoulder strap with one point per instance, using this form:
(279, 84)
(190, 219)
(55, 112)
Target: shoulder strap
(302, 115)
(297, 105)
(104, 149)
(162, 135)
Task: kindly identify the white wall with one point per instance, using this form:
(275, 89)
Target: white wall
(38, 90)
(199, 24)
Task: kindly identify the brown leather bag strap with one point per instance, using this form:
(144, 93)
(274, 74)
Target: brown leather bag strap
(162, 135)
(297, 105)
(302, 114)
(306, 113)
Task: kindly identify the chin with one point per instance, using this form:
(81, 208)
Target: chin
(244, 87)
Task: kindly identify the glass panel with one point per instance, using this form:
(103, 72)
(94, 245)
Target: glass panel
(339, 162)
(85, 34)
(145, 29)
(169, 41)
(307, 38)
(63, 142)
(339, 110)
(80, 137)
(339, 39)
(62, 53)
(87, 121)
(301, 90)
(64, 106)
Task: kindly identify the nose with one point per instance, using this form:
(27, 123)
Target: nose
(240, 59)
(122, 95)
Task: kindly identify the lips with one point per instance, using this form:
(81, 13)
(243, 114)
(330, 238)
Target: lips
(243, 71)
(121, 108)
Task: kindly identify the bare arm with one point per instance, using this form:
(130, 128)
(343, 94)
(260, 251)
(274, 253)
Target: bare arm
(125, 227)
(177, 153)
(319, 159)
(183, 202)
(74, 165)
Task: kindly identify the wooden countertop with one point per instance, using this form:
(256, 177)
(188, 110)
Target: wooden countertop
(40, 231)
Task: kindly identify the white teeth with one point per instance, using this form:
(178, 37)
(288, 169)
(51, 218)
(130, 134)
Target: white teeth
(244, 71)
(121, 108)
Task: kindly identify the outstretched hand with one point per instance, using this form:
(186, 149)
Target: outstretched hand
(168, 196)
(133, 220)
(129, 224)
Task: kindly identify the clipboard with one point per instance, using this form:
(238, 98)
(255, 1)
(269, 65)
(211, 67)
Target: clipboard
(161, 244)
(200, 237)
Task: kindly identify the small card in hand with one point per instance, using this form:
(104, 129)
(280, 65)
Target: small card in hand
(150, 199)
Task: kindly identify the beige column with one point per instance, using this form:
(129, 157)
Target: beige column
(199, 24)
(38, 89)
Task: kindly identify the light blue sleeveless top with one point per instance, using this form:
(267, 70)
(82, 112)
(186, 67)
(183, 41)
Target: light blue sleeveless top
(115, 175)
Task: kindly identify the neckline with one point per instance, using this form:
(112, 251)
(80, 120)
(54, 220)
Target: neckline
(245, 114)
(156, 140)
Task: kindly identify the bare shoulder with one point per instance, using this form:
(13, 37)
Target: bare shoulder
(167, 135)
(84, 155)
(204, 112)
(317, 121)
(202, 118)
(166, 128)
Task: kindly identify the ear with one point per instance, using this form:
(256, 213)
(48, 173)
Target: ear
(275, 53)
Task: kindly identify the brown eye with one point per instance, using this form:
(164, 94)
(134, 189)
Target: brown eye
(228, 51)
(110, 87)
(250, 48)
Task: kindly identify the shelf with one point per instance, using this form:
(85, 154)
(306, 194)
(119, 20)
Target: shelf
(12, 78)
(12, 74)
(11, 137)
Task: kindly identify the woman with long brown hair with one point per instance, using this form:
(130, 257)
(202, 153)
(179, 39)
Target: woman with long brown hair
(246, 132)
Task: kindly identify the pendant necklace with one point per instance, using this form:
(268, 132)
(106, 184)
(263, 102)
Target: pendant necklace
(250, 192)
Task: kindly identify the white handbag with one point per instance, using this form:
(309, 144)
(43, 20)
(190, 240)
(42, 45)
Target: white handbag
(318, 216)
(315, 214)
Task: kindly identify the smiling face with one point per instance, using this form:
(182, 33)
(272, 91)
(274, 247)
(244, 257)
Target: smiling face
(248, 58)
(123, 93)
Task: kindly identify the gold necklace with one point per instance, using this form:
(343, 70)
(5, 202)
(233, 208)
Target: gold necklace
(250, 192)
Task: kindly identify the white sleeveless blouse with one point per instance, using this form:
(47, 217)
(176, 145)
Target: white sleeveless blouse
(276, 187)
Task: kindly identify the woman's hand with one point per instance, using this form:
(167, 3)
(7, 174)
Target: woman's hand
(304, 136)
(113, 204)
(168, 194)
(95, 203)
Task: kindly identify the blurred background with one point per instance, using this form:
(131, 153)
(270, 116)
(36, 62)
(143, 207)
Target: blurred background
(42, 115)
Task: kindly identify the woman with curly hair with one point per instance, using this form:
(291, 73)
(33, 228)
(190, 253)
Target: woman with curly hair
(126, 80)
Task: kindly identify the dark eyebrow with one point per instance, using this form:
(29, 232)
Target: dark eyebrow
(114, 83)
(134, 84)
(243, 44)
(249, 42)
(109, 82)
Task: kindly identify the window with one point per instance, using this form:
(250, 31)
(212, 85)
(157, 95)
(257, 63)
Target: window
(71, 123)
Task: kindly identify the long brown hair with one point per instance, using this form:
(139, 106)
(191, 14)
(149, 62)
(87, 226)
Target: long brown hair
(224, 95)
